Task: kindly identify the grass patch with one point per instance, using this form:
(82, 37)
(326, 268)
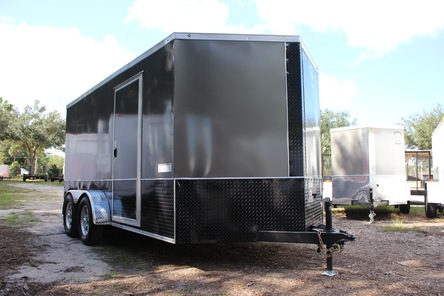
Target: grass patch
(31, 219)
(112, 275)
(12, 218)
(417, 211)
(24, 217)
(10, 196)
(337, 210)
(399, 226)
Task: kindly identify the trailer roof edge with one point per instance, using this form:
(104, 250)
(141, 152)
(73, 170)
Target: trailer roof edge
(196, 36)
(438, 127)
(395, 126)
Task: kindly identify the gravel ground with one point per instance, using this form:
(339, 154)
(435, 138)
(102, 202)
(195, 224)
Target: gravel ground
(407, 261)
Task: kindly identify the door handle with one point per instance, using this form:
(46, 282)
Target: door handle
(115, 152)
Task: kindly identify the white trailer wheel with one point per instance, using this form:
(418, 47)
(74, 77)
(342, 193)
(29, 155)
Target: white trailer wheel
(70, 216)
(90, 234)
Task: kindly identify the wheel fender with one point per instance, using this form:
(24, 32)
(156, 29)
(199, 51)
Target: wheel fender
(100, 204)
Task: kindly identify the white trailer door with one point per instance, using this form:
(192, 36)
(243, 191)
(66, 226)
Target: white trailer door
(127, 151)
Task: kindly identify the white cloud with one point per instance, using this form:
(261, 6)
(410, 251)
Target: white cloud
(336, 94)
(203, 16)
(180, 15)
(53, 65)
(378, 26)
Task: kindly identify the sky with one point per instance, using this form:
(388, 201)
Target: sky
(379, 60)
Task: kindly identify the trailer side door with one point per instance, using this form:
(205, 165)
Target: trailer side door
(127, 140)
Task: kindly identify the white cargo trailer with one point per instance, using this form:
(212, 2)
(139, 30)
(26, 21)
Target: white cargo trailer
(203, 138)
(4, 171)
(434, 193)
(365, 158)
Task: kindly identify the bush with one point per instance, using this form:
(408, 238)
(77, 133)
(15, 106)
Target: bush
(14, 169)
(54, 171)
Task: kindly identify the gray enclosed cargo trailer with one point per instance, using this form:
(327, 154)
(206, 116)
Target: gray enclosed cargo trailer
(203, 138)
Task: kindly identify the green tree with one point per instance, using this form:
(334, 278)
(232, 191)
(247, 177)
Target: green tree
(54, 171)
(331, 119)
(420, 126)
(36, 130)
(14, 169)
(56, 160)
(17, 152)
(6, 114)
(5, 157)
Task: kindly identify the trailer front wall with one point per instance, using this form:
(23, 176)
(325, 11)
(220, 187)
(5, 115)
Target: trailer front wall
(365, 158)
(230, 107)
(247, 140)
(234, 210)
(349, 152)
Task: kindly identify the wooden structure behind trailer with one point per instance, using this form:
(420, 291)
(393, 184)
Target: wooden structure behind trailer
(204, 138)
(418, 170)
(434, 190)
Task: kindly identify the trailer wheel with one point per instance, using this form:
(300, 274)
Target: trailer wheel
(70, 217)
(90, 234)
(431, 209)
(404, 209)
(361, 197)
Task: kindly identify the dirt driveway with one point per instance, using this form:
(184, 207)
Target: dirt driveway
(407, 261)
(55, 257)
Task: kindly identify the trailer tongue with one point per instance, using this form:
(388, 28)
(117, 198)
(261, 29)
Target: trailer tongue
(205, 138)
(328, 239)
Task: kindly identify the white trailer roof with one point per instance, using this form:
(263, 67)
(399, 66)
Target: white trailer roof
(438, 128)
(397, 127)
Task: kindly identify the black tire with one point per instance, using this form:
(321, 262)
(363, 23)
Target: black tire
(431, 209)
(70, 217)
(404, 209)
(89, 233)
(362, 197)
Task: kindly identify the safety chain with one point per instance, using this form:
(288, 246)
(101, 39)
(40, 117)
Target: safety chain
(335, 248)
